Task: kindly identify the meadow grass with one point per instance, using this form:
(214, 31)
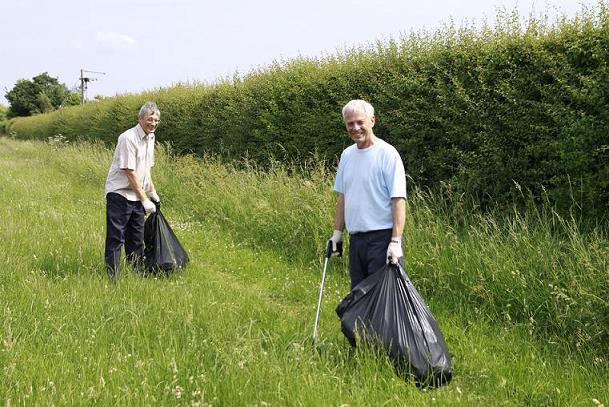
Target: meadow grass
(234, 328)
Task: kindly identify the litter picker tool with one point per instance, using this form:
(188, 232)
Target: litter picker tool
(323, 281)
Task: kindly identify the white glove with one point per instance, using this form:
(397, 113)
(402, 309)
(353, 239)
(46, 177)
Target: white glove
(337, 240)
(149, 207)
(154, 196)
(394, 250)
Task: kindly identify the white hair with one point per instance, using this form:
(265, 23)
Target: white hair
(148, 108)
(358, 105)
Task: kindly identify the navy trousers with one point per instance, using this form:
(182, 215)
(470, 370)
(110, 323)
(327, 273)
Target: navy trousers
(124, 226)
(367, 254)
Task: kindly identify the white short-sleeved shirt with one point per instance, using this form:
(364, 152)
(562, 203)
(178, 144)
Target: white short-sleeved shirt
(368, 178)
(134, 151)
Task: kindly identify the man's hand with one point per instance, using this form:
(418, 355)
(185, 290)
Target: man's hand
(149, 207)
(394, 250)
(154, 197)
(337, 243)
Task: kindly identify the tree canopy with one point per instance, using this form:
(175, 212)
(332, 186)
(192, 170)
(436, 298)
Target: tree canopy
(41, 94)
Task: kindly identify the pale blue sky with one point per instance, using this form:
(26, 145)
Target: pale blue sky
(147, 44)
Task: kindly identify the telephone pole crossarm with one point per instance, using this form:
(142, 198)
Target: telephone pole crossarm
(84, 81)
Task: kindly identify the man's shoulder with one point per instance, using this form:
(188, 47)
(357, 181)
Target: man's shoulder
(387, 148)
(349, 149)
(129, 133)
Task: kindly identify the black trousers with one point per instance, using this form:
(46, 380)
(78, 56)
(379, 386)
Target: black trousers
(124, 226)
(367, 253)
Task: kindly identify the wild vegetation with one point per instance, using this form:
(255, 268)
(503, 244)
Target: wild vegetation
(520, 299)
(41, 94)
(503, 132)
(473, 109)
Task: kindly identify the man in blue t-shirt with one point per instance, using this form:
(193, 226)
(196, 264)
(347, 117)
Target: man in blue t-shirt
(371, 186)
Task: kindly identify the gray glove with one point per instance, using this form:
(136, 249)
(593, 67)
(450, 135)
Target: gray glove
(149, 207)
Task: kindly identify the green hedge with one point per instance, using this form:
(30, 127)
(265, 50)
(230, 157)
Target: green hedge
(487, 112)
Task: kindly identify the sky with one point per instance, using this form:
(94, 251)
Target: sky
(130, 46)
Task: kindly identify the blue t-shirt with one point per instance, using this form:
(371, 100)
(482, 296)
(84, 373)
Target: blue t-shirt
(369, 178)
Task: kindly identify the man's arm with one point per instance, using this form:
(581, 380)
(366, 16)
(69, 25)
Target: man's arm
(134, 183)
(151, 188)
(398, 213)
(339, 225)
(339, 218)
(154, 197)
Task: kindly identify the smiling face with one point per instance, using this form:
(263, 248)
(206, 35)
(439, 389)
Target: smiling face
(149, 122)
(359, 126)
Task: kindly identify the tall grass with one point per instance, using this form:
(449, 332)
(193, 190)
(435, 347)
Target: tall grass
(235, 327)
(529, 267)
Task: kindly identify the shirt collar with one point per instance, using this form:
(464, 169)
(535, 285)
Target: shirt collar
(142, 134)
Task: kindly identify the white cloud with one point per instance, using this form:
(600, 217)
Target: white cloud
(115, 40)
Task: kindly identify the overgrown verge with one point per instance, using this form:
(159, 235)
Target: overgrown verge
(487, 110)
(531, 268)
(514, 295)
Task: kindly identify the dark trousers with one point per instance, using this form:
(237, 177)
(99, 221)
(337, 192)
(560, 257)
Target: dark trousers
(124, 225)
(367, 253)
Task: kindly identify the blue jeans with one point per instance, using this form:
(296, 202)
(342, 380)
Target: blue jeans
(124, 226)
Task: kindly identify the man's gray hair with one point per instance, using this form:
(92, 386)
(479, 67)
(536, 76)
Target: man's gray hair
(148, 108)
(358, 105)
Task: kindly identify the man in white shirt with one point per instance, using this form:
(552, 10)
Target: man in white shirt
(371, 205)
(130, 191)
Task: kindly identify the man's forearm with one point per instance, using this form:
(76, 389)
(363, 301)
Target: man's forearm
(135, 185)
(339, 219)
(398, 213)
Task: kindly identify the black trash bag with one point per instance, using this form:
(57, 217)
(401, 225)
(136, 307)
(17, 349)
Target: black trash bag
(386, 309)
(163, 252)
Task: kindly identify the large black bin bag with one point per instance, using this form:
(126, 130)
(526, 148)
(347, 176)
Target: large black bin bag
(386, 309)
(163, 252)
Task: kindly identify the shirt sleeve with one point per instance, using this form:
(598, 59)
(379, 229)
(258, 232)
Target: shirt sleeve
(338, 184)
(126, 153)
(396, 176)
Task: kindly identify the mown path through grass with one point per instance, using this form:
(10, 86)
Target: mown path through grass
(233, 329)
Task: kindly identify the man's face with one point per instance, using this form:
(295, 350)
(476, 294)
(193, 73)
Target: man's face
(359, 126)
(149, 122)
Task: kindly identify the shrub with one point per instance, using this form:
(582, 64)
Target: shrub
(489, 111)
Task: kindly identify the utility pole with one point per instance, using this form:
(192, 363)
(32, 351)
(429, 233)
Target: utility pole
(84, 83)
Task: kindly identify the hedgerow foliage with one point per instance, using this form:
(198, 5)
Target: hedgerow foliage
(485, 111)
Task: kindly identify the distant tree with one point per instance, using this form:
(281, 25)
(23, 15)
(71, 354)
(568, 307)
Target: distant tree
(72, 98)
(40, 95)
